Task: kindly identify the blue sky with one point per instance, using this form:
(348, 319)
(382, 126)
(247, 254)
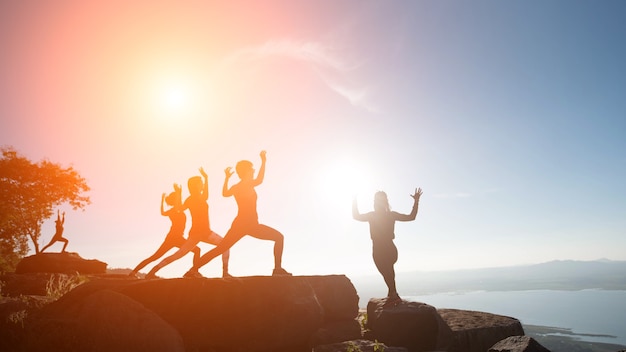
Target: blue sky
(510, 115)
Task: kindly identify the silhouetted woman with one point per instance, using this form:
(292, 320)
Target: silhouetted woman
(382, 222)
(175, 237)
(58, 235)
(247, 220)
(200, 231)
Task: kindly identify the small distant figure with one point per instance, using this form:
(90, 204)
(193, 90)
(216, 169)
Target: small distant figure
(58, 235)
(175, 237)
(247, 220)
(200, 227)
(382, 222)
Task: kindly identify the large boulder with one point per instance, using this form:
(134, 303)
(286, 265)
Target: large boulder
(421, 327)
(340, 307)
(518, 344)
(66, 262)
(338, 331)
(413, 325)
(35, 284)
(277, 314)
(13, 314)
(477, 331)
(337, 296)
(101, 321)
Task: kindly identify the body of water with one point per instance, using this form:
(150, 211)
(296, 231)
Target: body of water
(585, 312)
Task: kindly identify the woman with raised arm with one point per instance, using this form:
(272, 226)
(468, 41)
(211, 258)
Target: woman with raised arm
(382, 223)
(200, 231)
(175, 237)
(247, 220)
(58, 235)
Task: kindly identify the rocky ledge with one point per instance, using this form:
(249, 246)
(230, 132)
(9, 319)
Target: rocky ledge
(264, 314)
(66, 263)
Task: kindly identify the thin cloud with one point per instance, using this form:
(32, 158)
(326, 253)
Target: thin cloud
(466, 194)
(356, 96)
(329, 66)
(453, 195)
(311, 52)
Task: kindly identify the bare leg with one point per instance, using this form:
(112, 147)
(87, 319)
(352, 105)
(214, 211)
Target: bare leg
(264, 232)
(48, 245)
(389, 276)
(216, 239)
(158, 254)
(196, 254)
(65, 245)
(186, 248)
(385, 256)
(228, 241)
(45, 247)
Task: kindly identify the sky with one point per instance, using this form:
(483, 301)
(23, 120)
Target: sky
(510, 115)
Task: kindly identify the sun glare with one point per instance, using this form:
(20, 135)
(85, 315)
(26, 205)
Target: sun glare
(175, 98)
(341, 180)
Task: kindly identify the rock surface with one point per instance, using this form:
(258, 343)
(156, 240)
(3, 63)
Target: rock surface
(413, 325)
(339, 331)
(102, 321)
(33, 284)
(358, 345)
(13, 312)
(477, 331)
(236, 314)
(421, 327)
(66, 262)
(255, 314)
(340, 307)
(243, 314)
(518, 344)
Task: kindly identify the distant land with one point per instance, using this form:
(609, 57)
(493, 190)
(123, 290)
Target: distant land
(554, 275)
(563, 340)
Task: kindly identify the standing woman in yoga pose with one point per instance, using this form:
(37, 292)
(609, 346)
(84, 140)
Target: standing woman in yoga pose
(200, 231)
(247, 220)
(58, 235)
(382, 222)
(175, 237)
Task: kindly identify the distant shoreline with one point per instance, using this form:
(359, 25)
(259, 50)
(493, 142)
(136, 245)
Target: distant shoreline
(565, 275)
(562, 339)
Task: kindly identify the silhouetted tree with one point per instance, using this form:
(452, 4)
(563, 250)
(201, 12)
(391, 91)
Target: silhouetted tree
(28, 194)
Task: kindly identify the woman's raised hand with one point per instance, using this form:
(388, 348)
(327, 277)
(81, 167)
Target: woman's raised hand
(417, 194)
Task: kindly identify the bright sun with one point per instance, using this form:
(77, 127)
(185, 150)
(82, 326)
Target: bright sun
(175, 98)
(340, 180)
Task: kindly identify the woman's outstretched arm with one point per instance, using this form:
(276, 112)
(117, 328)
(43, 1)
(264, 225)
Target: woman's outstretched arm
(261, 174)
(225, 191)
(205, 189)
(163, 212)
(411, 216)
(355, 211)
